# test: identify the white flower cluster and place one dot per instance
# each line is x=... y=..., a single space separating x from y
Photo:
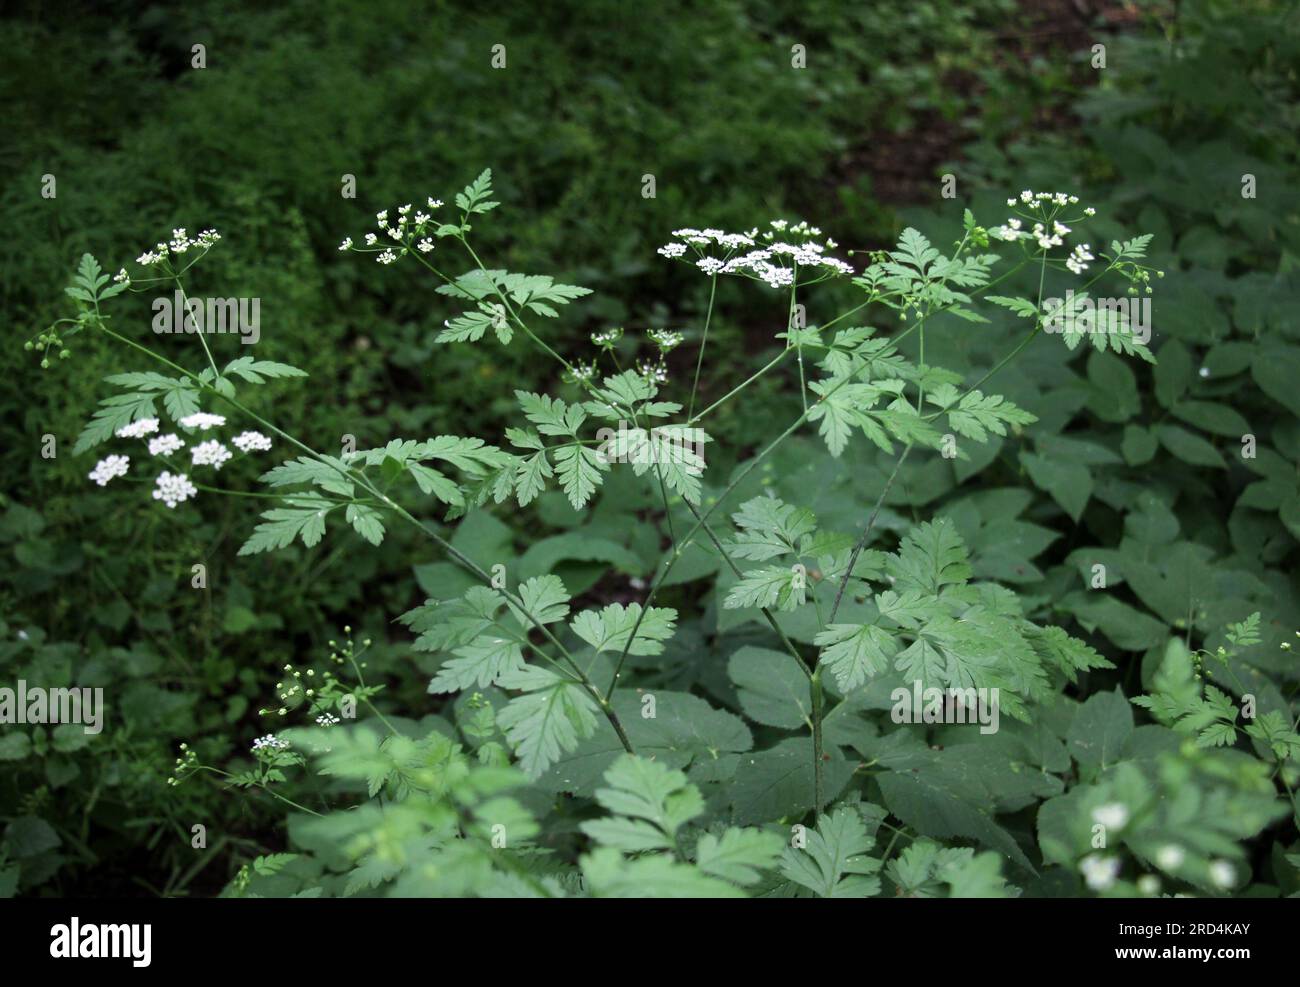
x=211 y=453
x=1078 y=260
x=165 y=445
x=411 y=231
x=666 y=339
x=178 y=244
x=774 y=257
x=1099 y=872
x=1042 y=210
x=250 y=441
x=1113 y=815
x=138 y=429
x=270 y=743
x=327 y=720
x=203 y=421
x=656 y=373
x=176 y=488
x=173 y=489
x=110 y=467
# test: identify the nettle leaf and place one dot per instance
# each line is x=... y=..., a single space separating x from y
x=779 y=587
x=855 y=652
x=302 y=516
x=834 y=864
x=771 y=688
x=548 y=720
x=611 y=628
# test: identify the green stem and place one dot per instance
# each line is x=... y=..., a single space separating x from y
x=699 y=360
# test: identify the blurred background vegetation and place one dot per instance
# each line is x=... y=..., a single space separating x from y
x=999 y=93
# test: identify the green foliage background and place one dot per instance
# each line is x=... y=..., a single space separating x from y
x=1138 y=468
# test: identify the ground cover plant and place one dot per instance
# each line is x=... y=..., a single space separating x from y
x=942 y=549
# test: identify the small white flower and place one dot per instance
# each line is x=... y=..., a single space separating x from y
x=211 y=453
x=709 y=265
x=435 y=203
x=1026 y=196
x=1204 y=371
x=1077 y=262
x=1090 y=211
x=121 y=277
x=1149 y=884
x=203 y=421
x=425 y=245
x=138 y=429
x=248 y=441
x=665 y=339
x=1099 y=872
x=108 y=468
x=672 y=249
x=327 y=720
x=1113 y=815
x=173 y=489
x=1222 y=874
x=656 y=373
x=165 y=445
x=1170 y=857
x=371 y=239
x=386 y=257
x=346 y=244
x=270 y=742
